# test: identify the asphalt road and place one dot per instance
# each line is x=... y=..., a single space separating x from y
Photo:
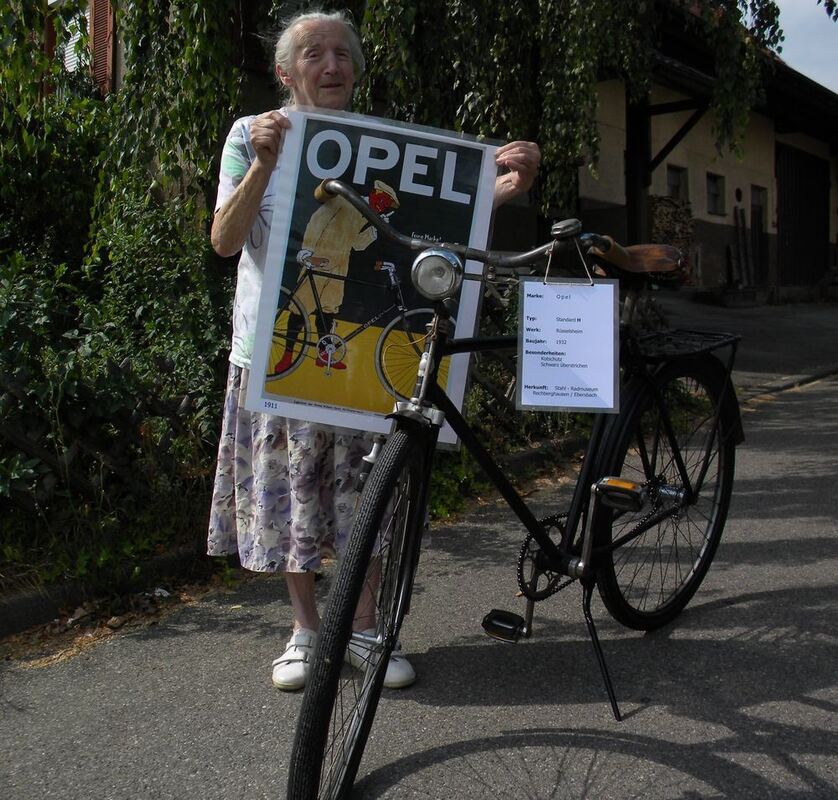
x=739 y=698
x=780 y=344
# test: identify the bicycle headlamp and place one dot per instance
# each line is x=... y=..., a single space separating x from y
x=437 y=273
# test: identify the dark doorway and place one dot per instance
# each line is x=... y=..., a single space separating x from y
x=802 y=216
x=759 y=239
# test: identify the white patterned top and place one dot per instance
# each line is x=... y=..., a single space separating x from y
x=236 y=158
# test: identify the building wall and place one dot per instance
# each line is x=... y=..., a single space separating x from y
x=717 y=244
x=602 y=193
x=698 y=153
x=602 y=189
x=606 y=186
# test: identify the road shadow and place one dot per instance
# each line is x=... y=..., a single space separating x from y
x=759 y=666
x=603 y=765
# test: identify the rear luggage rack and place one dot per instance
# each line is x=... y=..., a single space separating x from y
x=662 y=345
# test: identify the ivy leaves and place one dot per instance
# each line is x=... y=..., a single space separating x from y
x=112 y=307
x=529 y=68
x=178 y=92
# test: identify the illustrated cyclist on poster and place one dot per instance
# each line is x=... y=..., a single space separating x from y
x=334 y=231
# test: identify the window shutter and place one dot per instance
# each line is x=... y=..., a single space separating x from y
x=68 y=50
x=101 y=37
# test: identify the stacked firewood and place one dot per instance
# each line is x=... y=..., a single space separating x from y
x=672 y=223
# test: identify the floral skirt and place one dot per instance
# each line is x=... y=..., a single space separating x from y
x=284 y=495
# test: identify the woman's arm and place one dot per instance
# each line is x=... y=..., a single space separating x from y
x=521 y=160
x=234 y=220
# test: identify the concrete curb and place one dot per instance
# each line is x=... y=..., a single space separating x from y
x=26 y=609
x=753 y=392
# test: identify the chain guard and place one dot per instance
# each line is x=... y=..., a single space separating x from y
x=540 y=584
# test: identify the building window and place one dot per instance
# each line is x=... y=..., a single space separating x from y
x=98 y=18
x=676 y=183
x=715 y=194
x=69 y=51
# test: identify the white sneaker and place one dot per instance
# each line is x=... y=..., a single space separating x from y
x=400 y=673
x=290 y=670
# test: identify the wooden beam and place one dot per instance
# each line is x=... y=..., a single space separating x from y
x=677 y=137
x=675 y=106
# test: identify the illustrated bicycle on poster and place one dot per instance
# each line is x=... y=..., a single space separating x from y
x=309 y=328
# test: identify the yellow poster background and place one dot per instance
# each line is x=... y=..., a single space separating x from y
x=360 y=380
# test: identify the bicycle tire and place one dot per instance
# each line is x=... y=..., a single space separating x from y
x=340 y=701
x=288 y=305
x=647 y=582
x=398 y=350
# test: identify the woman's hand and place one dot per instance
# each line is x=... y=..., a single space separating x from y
x=266 y=133
x=520 y=160
x=233 y=221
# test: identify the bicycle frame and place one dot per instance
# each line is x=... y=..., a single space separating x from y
x=564 y=554
x=574 y=555
x=393 y=286
x=652 y=493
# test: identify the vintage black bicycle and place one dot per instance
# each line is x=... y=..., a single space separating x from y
x=643 y=524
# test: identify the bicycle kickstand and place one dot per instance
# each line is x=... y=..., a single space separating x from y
x=587 y=592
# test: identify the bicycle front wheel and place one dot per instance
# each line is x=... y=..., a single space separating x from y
x=398 y=350
x=647 y=580
x=340 y=700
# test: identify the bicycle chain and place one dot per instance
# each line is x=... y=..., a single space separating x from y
x=529 y=552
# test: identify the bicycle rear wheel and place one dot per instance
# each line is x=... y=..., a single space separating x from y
x=291 y=336
x=398 y=350
x=648 y=580
x=340 y=701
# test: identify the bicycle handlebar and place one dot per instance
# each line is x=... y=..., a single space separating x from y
x=332 y=187
x=603 y=246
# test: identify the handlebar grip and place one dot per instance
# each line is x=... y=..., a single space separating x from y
x=322 y=194
x=613 y=252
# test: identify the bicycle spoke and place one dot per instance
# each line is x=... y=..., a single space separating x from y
x=654 y=569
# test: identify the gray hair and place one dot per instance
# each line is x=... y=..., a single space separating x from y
x=286 y=44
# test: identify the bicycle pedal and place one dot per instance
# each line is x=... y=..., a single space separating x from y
x=621 y=494
x=504 y=625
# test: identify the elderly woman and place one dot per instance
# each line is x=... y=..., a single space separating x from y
x=284 y=489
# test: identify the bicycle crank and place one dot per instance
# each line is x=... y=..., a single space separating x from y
x=331 y=352
x=535 y=579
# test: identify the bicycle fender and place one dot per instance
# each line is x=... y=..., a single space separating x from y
x=729 y=401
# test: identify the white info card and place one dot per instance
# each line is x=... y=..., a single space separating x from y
x=568 y=346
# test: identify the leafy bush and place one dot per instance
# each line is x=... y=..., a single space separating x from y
x=113 y=309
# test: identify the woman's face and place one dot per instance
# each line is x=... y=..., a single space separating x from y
x=322 y=73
